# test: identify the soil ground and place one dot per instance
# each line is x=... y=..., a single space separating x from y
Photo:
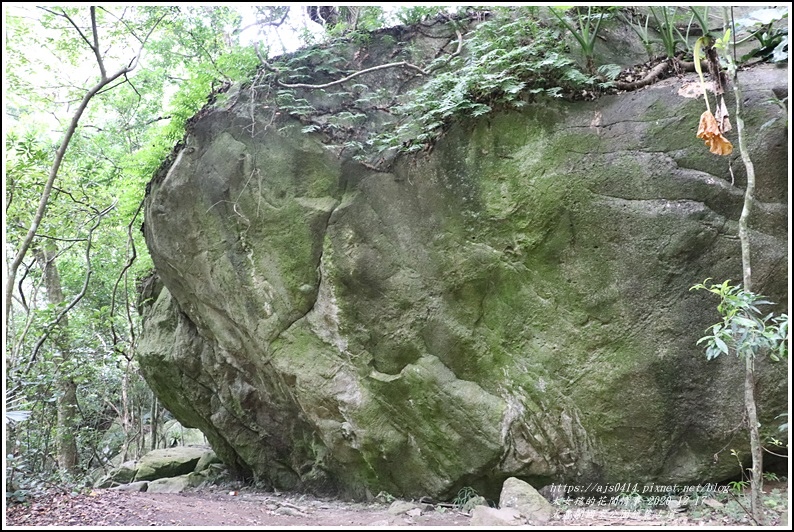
x=248 y=507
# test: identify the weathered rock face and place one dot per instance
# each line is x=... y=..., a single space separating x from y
x=513 y=304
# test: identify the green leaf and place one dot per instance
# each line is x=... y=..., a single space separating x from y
x=780 y=53
x=704 y=338
x=712 y=352
x=721 y=345
x=611 y=71
x=745 y=322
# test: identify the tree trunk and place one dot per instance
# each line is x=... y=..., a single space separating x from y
x=141 y=433
x=66 y=401
x=68 y=457
x=153 y=422
x=125 y=413
x=757 y=479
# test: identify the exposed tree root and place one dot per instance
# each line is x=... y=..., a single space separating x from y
x=658 y=70
x=655 y=72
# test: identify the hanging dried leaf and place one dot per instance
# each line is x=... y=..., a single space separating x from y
x=709 y=131
x=722 y=116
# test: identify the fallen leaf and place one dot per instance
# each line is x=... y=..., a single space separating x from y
x=691 y=90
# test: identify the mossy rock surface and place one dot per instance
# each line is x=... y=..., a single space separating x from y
x=172 y=462
x=513 y=304
x=176 y=484
x=123 y=474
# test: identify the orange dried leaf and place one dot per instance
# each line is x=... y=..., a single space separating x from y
x=709 y=131
x=707 y=127
x=720 y=145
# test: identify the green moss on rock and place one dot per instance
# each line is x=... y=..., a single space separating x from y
x=515 y=303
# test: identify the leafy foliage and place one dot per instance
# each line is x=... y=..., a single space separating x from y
x=609 y=72
x=510 y=60
x=744 y=330
x=773 y=42
x=466 y=499
x=417 y=14
x=584 y=29
x=93 y=214
x=665 y=20
x=737 y=487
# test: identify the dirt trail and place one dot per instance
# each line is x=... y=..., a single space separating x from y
x=248 y=507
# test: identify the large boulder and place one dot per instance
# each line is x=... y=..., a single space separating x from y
x=521 y=496
x=122 y=474
x=143 y=485
x=176 y=484
x=207 y=459
x=514 y=303
x=162 y=463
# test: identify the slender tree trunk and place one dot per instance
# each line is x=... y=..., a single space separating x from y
x=141 y=434
x=66 y=402
x=125 y=413
x=757 y=479
x=153 y=422
x=67 y=427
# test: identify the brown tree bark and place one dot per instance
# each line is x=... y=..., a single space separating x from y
x=154 y=420
x=66 y=401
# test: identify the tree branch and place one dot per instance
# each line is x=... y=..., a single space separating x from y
x=28 y=321
x=95 y=31
x=122 y=274
x=45 y=195
x=406 y=64
x=122 y=21
x=59 y=239
x=271 y=68
x=452 y=55
x=351 y=76
x=75 y=26
x=271 y=23
x=209 y=56
x=48 y=328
